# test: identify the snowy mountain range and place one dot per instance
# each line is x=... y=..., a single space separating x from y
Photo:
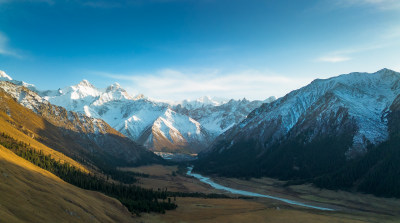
x=203 y=101
x=5 y=77
x=337 y=133
x=72 y=133
x=328 y=120
x=187 y=126
x=158 y=125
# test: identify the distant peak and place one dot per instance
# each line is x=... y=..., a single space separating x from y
x=387 y=74
x=270 y=99
x=139 y=96
x=4 y=76
x=114 y=87
x=386 y=70
x=204 y=99
x=85 y=83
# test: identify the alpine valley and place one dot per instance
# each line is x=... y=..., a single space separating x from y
x=340 y=132
x=327 y=152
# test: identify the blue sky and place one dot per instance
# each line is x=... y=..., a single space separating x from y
x=176 y=49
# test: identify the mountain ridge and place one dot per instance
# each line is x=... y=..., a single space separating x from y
x=139 y=117
x=75 y=134
x=317 y=127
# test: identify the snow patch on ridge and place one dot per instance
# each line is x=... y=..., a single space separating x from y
x=4 y=76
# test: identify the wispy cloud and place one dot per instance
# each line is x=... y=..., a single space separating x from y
x=5 y=49
x=384 y=38
x=344 y=55
x=174 y=85
x=334 y=59
x=391 y=34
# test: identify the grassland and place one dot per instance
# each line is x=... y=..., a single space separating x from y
x=228 y=210
x=25 y=126
x=163 y=177
x=31 y=194
x=350 y=207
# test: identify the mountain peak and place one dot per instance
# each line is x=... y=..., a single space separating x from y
x=113 y=87
x=243 y=100
x=85 y=83
x=388 y=73
x=4 y=76
x=139 y=96
x=384 y=70
x=205 y=99
x=270 y=99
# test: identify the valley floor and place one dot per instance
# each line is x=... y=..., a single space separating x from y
x=351 y=207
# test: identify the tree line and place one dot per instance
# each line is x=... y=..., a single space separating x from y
x=135 y=198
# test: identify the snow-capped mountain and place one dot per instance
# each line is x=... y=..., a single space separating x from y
x=166 y=136
x=36 y=103
x=217 y=118
x=203 y=101
x=5 y=77
x=151 y=123
x=87 y=137
x=190 y=125
x=342 y=115
x=158 y=125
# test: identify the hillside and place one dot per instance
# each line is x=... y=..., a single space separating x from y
x=31 y=194
x=95 y=175
x=83 y=138
x=378 y=171
x=23 y=125
x=310 y=132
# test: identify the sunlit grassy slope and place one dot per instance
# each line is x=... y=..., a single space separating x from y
x=31 y=194
x=23 y=125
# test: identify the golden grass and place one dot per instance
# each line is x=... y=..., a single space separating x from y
x=21 y=119
x=236 y=210
x=350 y=207
x=341 y=199
x=155 y=170
x=31 y=194
x=10 y=130
x=161 y=177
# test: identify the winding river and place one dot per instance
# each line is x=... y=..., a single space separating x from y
x=208 y=181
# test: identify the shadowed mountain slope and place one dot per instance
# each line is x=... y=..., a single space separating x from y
x=311 y=131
